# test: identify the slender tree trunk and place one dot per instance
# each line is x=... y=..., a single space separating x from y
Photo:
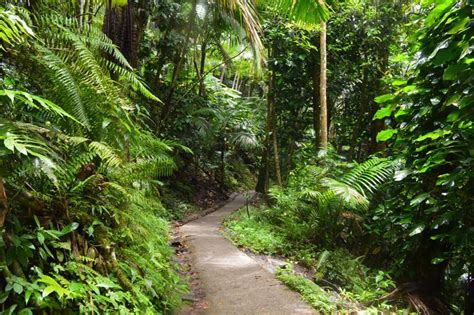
x=3 y=204
x=264 y=172
x=273 y=126
x=202 y=87
x=378 y=125
x=222 y=164
x=222 y=78
x=323 y=111
x=262 y=179
x=359 y=125
x=316 y=100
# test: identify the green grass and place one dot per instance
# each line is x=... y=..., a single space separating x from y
x=312 y=293
x=258 y=231
x=251 y=231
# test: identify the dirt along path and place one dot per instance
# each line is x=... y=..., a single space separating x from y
x=232 y=282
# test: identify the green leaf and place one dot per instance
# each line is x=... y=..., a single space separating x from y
x=399 y=82
x=401 y=174
x=436 y=14
x=384 y=98
x=4 y=296
x=384 y=135
x=9 y=144
x=18 y=288
x=27 y=296
x=437 y=260
x=460 y=25
x=433 y=135
x=419 y=199
x=453 y=116
x=420 y=228
x=452 y=71
x=71 y=227
x=383 y=112
x=47 y=291
x=40 y=237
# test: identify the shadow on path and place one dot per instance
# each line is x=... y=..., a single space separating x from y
x=233 y=282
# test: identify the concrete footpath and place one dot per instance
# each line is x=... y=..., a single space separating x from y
x=233 y=282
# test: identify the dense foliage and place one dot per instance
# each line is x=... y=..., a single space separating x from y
x=82 y=227
x=117 y=117
x=428 y=221
x=418 y=226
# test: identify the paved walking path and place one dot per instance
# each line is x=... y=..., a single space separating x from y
x=233 y=282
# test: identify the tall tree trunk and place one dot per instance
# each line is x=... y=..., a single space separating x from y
x=273 y=126
x=222 y=163
x=125 y=26
x=202 y=87
x=264 y=171
x=378 y=125
x=323 y=111
x=361 y=121
x=316 y=100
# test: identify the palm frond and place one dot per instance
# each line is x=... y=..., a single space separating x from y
x=248 y=18
x=347 y=194
x=368 y=177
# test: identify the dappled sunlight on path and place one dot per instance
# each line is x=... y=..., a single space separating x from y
x=233 y=282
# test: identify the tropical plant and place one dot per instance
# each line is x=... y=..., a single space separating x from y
x=82 y=227
x=431 y=129
x=323 y=205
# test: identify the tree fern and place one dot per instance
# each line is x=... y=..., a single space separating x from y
x=364 y=180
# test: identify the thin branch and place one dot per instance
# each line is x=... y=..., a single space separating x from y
x=212 y=69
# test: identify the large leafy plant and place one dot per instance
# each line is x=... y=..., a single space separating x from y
x=429 y=220
x=82 y=227
x=319 y=206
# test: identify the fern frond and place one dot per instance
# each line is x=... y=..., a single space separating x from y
x=367 y=177
x=106 y=153
x=36 y=102
x=71 y=97
x=347 y=194
x=13 y=29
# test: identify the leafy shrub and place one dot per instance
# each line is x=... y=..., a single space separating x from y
x=82 y=228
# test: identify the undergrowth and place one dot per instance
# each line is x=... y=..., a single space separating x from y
x=340 y=280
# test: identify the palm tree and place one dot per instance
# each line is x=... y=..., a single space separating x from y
x=124 y=23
